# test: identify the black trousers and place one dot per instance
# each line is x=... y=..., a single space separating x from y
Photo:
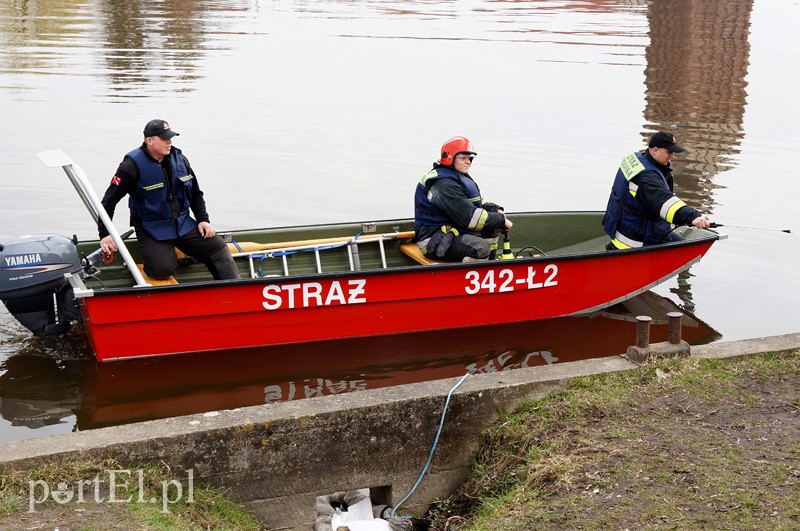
x=160 y=261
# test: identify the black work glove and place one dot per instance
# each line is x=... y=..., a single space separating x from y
x=441 y=241
x=493 y=233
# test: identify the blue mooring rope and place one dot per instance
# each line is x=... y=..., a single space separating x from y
x=433 y=448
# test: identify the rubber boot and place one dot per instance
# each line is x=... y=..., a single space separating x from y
x=222 y=265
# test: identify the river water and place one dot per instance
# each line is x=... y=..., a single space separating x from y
x=302 y=112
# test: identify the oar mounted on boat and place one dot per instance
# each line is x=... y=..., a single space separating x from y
x=56 y=158
x=34 y=269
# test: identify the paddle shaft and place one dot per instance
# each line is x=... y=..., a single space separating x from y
x=253 y=246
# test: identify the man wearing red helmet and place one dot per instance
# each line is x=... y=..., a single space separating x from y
x=452 y=222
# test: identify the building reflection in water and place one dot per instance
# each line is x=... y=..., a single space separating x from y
x=697 y=62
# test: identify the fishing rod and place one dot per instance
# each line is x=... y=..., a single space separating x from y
x=716 y=225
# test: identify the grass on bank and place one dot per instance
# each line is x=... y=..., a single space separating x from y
x=675 y=444
x=209 y=508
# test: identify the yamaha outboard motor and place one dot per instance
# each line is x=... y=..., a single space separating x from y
x=32 y=283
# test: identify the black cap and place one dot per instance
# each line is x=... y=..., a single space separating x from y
x=666 y=141
x=159 y=128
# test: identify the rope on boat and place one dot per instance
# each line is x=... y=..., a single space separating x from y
x=433 y=449
x=531 y=247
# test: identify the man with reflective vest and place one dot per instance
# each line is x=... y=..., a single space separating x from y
x=452 y=222
x=162 y=189
x=642 y=210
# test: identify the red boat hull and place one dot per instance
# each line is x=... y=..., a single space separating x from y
x=147 y=321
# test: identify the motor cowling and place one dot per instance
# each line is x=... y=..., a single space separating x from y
x=32 y=283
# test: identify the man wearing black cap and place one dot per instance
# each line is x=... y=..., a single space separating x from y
x=163 y=189
x=642 y=210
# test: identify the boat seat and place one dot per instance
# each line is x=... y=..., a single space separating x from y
x=412 y=250
x=154 y=282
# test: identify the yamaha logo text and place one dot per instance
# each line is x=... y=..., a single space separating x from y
x=23 y=259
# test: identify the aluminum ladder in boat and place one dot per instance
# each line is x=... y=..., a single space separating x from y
x=351 y=243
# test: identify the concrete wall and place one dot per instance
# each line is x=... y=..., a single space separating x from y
x=277 y=458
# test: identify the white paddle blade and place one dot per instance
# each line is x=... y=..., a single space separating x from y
x=55 y=158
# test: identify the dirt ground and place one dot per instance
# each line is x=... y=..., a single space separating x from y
x=102 y=517
x=703 y=459
x=93 y=516
x=685 y=445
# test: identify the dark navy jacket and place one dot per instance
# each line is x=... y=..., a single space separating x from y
x=161 y=206
x=628 y=221
x=426 y=214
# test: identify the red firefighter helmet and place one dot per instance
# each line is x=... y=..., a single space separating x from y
x=454 y=146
